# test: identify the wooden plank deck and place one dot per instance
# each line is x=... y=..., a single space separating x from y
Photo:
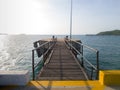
x=62 y=65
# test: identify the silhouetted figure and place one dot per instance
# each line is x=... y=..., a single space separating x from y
x=53 y=37
x=66 y=37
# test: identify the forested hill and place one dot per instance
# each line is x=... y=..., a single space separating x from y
x=114 y=32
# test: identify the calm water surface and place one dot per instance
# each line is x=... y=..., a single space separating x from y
x=15 y=50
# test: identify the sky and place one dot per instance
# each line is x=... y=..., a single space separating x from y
x=53 y=16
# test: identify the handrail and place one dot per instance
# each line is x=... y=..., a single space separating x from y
x=86 y=46
x=44 y=54
x=41 y=45
x=90 y=48
x=83 y=58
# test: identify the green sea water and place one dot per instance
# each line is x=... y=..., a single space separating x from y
x=15 y=50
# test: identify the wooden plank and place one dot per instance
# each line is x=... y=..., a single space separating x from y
x=62 y=65
x=61 y=78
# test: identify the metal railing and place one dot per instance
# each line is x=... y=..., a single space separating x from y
x=78 y=49
x=43 y=51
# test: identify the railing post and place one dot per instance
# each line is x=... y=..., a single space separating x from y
x=97 y=76
x=33 y=65
x=82 y=56
x=43 y=54
x=70 y=44
x=91 y=73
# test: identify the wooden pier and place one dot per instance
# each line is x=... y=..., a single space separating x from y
x=62 y=65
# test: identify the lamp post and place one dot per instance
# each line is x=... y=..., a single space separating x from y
x=70 y=24
x=71 y=21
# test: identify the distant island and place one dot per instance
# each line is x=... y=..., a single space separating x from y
x=90 y=34
x=113 y=32
x=3 y=34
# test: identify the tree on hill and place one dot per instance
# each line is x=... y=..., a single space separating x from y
x=114 y=32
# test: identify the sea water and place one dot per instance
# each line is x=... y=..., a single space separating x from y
x=15 y=50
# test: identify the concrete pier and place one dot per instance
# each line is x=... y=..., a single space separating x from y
x=14 y=78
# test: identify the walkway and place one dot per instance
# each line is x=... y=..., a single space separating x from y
x=62 y=65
